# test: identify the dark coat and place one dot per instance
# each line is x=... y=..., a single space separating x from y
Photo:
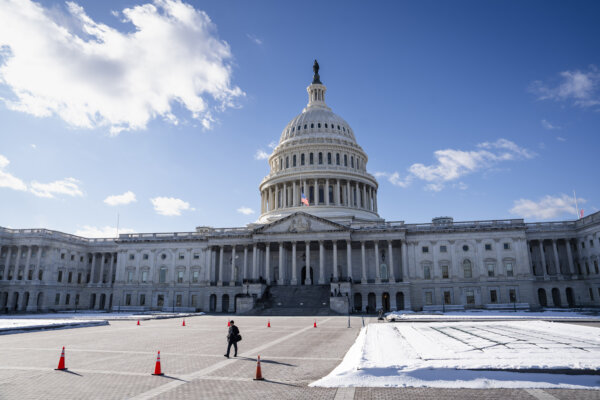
x=233 y=333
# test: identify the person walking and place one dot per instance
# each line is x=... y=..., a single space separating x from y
x=233 y=337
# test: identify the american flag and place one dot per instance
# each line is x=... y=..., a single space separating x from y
x=581 y=213
x=304 y=200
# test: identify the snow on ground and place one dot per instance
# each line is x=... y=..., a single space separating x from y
x=14 y=325
x=493 y=314
x=98 y=315
x=452 y=355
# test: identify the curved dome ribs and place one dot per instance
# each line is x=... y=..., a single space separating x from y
x=318 y=161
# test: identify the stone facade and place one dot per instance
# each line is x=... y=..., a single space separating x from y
x=338 y=240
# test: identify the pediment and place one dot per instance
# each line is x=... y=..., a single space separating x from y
x=301 y=222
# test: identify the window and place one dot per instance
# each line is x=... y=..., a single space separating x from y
x=162 y=277
x=591 y=243
x=312 y=126
x=70 y=277
x=160 y=300
x=72 y=257
x=587 y=268
x=320 y=158
x=128 y=299
x=507 y=246
x=311 y=160
x=60 y=273
x=62 y=256
x=67 y=299
x=132 y=256
x=345 y=160
x=57 y=299
x=163 y=256
x=329 y=158
x=490 y=270
x=509 y=269
x=427 y=272
x=79 y=277
x=20 y=274
x=352 y=161
x=425 y=249
x=144 y=276
x=319 y=125
x=445 y=274
x=337 y=158
x=465 y=248
x=196 y=256
x=583 y=245
x=77 y=299
x=40 y=275
x=447 y=297
x=512 y=295
x=29 y=274
x=181 y=256
x=145 y=256
x=142 y=299
x=129 y=276
x=467 y=269
x=294 y=160
x=301 y=159
x=428 y=298
x=195 y=276
x=443 y=249
x=178 y=300
x=305 y=126
x=179 y=276
x=287 y=161
x=488 y=246
x=591 y=294
x=596 y=266
x=338 y=127
x=470 y=297
x=81 y=259
x=195 y=298
x=493 y=296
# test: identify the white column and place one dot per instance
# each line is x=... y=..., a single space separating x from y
x=284 y=197
x=27 y=261
x=364 y=202
x=305 y=190
x=556 y=261
x=277 y=197
x=375 y=200
x=294 y=280
x=112 y=263
x=295 y=195
x=39 y=261
x=207 y=264
x=391 y=262
x=17 y=263
x=268 y=263
x=101 y=279
x=570 y=257
x=255 y=261
x=363 y=279
x=281 y=268
x=404 y=250
x=377 y=271
x=541 y=242
x=307 y=280
x=221 y=256
x=232 y=276
x=245 y=272
x=326 y=192
x=321 y=263
x=348 y=198
x=337 y=192
x=335 y=262
x=349 y=257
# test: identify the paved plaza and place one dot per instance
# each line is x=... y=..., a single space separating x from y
x=116 y=361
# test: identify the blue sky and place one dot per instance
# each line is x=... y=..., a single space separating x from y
x=156 y=111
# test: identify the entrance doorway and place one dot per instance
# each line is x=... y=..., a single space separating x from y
x=385 y=302
x=102 y=301
x=303 y=276
x=570 y=297
x=357 y=302
x=212 y=303
x=542 y=298
x=556 y=297
x=225 y=303
x=371 y=303
x=399 y=301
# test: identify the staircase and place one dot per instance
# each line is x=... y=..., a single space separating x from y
x=295 y=300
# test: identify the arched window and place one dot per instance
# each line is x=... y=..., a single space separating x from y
x=280 y=163
x=312 y=126
x=320 y=158
x=162 y=277
x=326 y=126
x=345 y=160
x=358 y=163
x=329 y=158
x=311 y=160
x=302 y=159
x=305 y=126
x=467 y=269
x=352 y=161
x=294 y=160
x=319 y=125
x=287 y=162
x=426 y=272
x=337 y=158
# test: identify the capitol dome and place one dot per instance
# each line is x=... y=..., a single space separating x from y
x=318 y=162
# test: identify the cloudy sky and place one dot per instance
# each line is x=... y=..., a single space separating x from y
x=163 y=112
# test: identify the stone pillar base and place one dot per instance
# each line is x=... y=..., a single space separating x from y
x=294 y=282
x=220 y=283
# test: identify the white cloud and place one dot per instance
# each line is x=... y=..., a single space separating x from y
x=170 y=206
x=93 y=75
x=8 y=180
x=272 y=145
x=548 y=125
x=254 y=38
x=245 y=210
x=561 y=139
x=453 y=164
x=101 y=232
x=261 y=155
x=546 y=208
x=67 y=186
x=33 y=146
x=121 y=199
x=577 y=86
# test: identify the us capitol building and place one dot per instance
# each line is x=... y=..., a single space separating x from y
x=337 y=247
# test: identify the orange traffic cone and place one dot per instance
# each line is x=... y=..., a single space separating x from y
x=269 y=324
x=61 y=362
x=315 y=324
x=183 y=323
x=259 y=376
x=157 y=370
x=228 y=323
x=138 y=322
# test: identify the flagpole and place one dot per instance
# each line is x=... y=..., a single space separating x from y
x=576 y=206
x=117 y=225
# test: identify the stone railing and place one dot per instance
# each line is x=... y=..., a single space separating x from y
x=550 y=226
x=468 y=225
x=50 y=234
x=292 y=171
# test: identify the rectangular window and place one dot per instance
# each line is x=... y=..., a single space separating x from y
x=591 y=294
x=20 y=274
x=596 y=266
x=427 y=272
x=425 y=249
x=490 y=270
x=506 y=246
x=196 y=256
x=493 y=296
x=128 y=299
x=443 y=249
x=72 y=257
x=79 y=277
x=131 y=257
x=181 y=256
x=467 y=270
x=81 y=259
x=294 y=161
x=67 y=299
x=57 y=299
x=447 y=297
x=144 y=276
x=311 y=159
x=142 y=299
x=129 y=276
x=428 y=298
x=179 y=276
x=178 y=300
x=60 y=273
x=445 y=274
x=40 y=275
x=587 y=267
x=145 y=257
x=70 y=277
x=337 y=158
x=160 y=300
x=488 y=246
x=509 y=269
x=195 y=276
x=329 y=158
x=29 y=274
x=76 y=299
x=301 y=159
x=62 y=256
x=583 y=245
x=194 y=300
x=512 y=295
x=470 y=296
x=162 y=278
x=345 y=160
x=591 y=243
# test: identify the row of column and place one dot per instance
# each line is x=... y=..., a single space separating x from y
x=556 y=258
x=345 y=193
x=18 y=260
x=262 y=256
x=102 y=267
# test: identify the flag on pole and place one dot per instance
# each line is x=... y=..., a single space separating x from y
x=304 y=200
x=581 y=213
